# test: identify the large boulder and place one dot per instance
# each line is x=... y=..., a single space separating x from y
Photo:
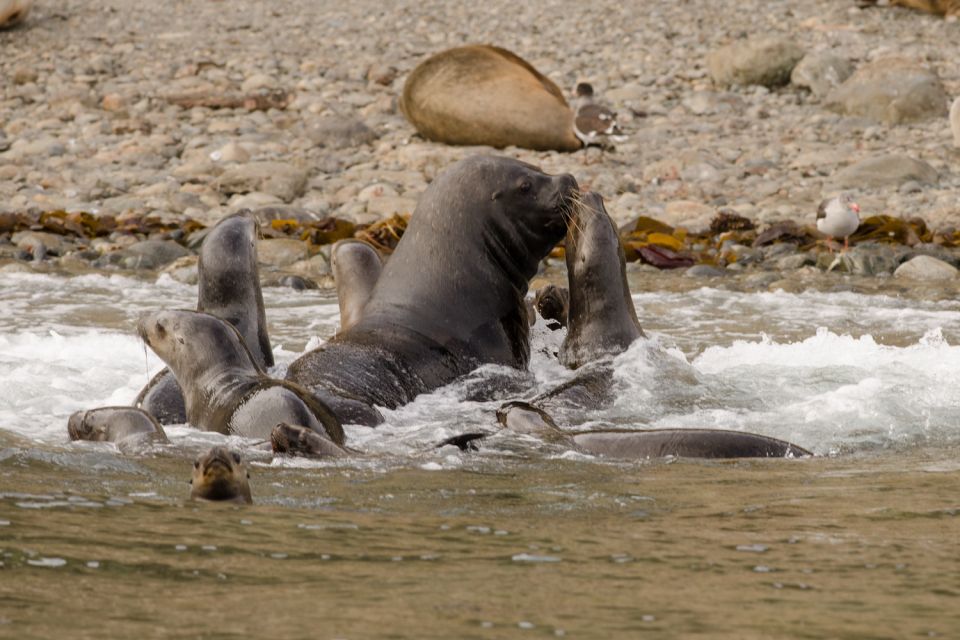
x=766 y=61
x=885 y=171
x=891 y=90
x=284 y=181
x=485 y=95
x=821 y=73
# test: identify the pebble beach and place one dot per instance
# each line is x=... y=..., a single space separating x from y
x=181 y=113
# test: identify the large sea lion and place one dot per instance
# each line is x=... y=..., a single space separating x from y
x=224 y=388
x=356 y=268
x=523 y=417
x=129 y=428
x=485 y=95
x=451 y=297
x=220 y=475
x=601 y=319
x=229 y=288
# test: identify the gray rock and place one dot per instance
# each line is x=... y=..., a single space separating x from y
x=335 y=132
x=821 y=72
x=184 y=270
x=386 y=206
x=148 y=254
x=885 y=171
x=766 y=61
x=275 y=178
x=926 y=268
x=52 y=243
x=891 y=90
x=796 y=261
x=704 y=271
x=954 y=123
x=865 y=260
x=281 y=252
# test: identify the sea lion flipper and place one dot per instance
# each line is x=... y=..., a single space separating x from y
x=297 y=440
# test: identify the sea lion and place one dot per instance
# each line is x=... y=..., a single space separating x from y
x=224 y=388
x=601 y=318
x=13 y=12
x=451 y=297
x=229 y=288
x=356 y=268
x=220 y=475
x=947 y=8
x=523 y=417
x=129 y=428
x=485 y=95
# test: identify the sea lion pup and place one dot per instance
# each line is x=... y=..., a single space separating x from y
x=523 y=417
x=220 y=475
x=224 y=388
x=129 y=428
x=229 y=288
x=485 y=95
x=601 y=318
x=451 y=297
x=356 y=268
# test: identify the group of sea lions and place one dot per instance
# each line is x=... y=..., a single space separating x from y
x=419 y=321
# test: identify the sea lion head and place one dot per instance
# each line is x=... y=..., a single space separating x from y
x=514 y=209
x=601 y=316
x=192 y=343
x=592 y=239
x=220 y=474
x=229 y=281
x=81 y=428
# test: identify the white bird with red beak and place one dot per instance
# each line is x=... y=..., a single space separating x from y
x=838 y=218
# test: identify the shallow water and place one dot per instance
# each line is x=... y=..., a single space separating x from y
x=410 y=540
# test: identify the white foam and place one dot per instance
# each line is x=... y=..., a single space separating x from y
x=825 y=389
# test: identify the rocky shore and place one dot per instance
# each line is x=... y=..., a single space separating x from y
x=127 y=129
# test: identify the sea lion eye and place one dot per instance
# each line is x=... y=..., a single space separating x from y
x=196 y=465
x=525 y=186
x=236 y=457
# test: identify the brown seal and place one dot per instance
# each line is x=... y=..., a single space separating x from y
x=485 y=95
x=229 y=288
x=356 y=268
x=224 y=389
x=220 y=475
x=129 y=428
x=947 y=8
x=451 y=297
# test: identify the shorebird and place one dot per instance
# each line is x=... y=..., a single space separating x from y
x=839 y=217
x=593 y=123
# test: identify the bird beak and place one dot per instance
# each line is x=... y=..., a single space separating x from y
x=855 y=207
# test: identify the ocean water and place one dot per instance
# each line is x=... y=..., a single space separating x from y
x=833 y=372
x=410 y=540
